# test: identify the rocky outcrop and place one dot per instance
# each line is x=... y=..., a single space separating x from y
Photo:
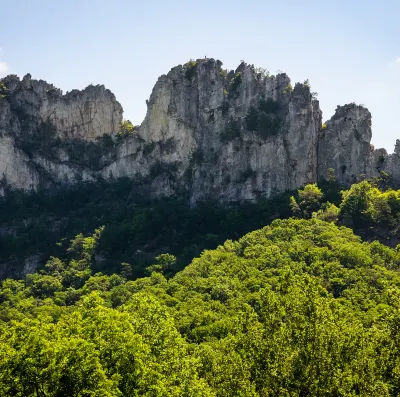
x=229 y=136
x=208 y=133
x=86 y=114
x=344 y=144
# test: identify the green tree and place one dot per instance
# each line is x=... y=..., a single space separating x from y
x=308 y=201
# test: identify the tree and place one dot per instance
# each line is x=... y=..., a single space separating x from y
x=164 y=264
x=308 y=201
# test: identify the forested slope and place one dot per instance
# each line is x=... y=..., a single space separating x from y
x=298 y=308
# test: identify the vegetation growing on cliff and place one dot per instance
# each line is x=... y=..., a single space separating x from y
x=263 y=119
x=235 y=83
x=190 y=69
x=44 y=141
x=3 y=90
x=126 y=129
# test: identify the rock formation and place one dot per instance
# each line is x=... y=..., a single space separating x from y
x=344 y=144
x=208 y=133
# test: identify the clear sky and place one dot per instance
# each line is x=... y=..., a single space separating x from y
x=348 y=49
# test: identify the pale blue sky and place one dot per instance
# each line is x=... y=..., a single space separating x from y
x=349 y=50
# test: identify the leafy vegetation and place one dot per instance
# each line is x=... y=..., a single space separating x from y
x=126 y=129
x=190 y=69
x=371 y=212
x=231 y=131
x=288 y=89
x=223 y=73
x=300 y=307
x=3 y=90
x=235 y=83
x=264 y=119
x=136 y=229
x=45 y=142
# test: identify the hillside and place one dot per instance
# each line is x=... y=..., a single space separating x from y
x=232 y=244
x=300 y=307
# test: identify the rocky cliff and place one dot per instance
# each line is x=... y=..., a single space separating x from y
x=208 y=132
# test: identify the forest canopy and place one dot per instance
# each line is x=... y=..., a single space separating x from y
x=298 y=308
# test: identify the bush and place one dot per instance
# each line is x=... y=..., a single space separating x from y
x=264 y=120
x=126 y=129
x=3 y=90
x=190 y=68
x=231 y=131
x=288 y=89
x=235 y=83
x=268 y=105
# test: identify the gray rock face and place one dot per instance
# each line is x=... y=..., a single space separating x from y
x=231 y=137
x=86 y=114
x=208 y=133
x=344 y=144
x=389 y=163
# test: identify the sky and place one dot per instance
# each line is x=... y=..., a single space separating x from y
x=349 y=50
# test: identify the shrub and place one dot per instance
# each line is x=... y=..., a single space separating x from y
x=288 y=89
x=262 y=71
x=190 y=68
x=126 y=128
x=264 y=120
x=252 y=119
x=231 y=131
x=3 y=90
x=225 y=108
x=268 y=105
x=235 y=82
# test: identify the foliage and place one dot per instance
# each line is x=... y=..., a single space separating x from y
x=264 y=119
x=306 y=83
x=288 y=89
x=300 y=307
x=126 y=129
x=190 y=69
x=371 y=212
x=264 y=73
x=223 y=73
x=136 y=229
x=365 y=206
x=44 y=141
x=3 y=90
x=328 y=213
x=309 y=200
x=164 y=264
x=231 y=131
x=323 y=126
x=235 y=83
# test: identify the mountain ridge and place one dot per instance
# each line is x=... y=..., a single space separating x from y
x=233 y=136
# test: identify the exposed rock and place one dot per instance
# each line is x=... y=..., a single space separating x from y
x=31 y=263
x=196 y=126
x=208 y=133
x=344 y=144
x=86 y=114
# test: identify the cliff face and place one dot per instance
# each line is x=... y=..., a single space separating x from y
x=344 y=144
x=39 y=126
x=208 y=133
x=233 y=137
